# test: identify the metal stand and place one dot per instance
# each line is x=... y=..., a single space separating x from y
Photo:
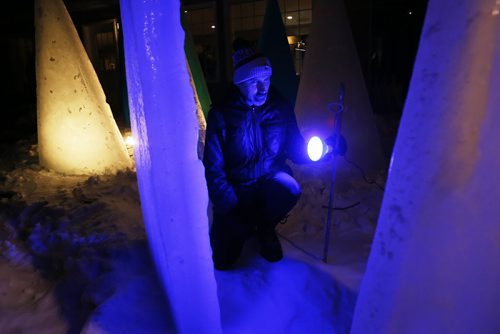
x=339 y=108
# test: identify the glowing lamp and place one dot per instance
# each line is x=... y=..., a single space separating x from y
x=129 y=141
x=316 y=148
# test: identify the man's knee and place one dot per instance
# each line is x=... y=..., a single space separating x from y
x=284 y=183
x=280 y=195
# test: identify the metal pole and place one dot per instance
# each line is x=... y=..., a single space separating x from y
x=336 y=131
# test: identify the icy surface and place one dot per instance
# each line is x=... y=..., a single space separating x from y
x=434 y=264
x=171 y=177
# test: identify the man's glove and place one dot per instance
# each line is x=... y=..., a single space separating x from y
x=337 y=144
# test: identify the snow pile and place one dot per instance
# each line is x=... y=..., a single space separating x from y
x=76 y=258
x=356 y=206
x=65 y=234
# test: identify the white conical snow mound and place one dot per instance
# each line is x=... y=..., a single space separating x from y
x=331 y=59
x=76 y=130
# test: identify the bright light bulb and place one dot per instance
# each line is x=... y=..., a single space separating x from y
x=213 y=27
x=289 y=17
x=129 y=141
x=315 y=148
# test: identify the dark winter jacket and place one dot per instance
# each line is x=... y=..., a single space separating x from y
x=244 y=144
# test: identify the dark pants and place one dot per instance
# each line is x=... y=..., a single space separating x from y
x=261 y=206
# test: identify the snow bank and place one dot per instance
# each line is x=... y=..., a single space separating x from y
x=79 y=249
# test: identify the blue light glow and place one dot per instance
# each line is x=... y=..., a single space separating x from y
x=315 y=148
x=168 y=168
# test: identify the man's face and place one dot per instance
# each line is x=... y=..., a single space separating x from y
x=255 y=90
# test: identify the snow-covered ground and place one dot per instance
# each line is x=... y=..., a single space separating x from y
x=74 y=256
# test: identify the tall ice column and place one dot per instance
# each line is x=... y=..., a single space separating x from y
x=172 y=185
x=433 y=266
